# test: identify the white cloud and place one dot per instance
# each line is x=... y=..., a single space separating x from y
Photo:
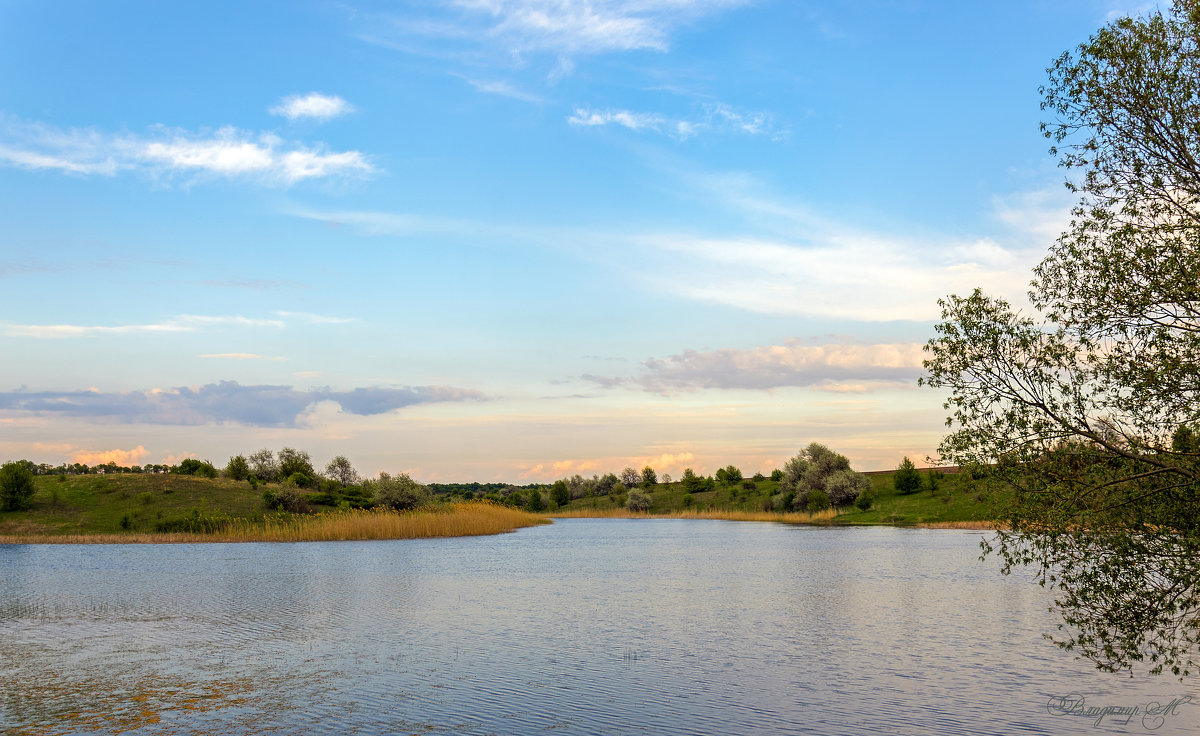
x=626 y=119
x=713 y=118
x=225 y=153
x=312 y=105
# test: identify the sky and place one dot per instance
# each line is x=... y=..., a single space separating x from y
x=509 y=240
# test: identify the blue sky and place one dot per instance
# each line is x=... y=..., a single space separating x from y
x=508 y=239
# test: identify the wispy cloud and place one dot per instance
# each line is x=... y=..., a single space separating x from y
x=180 y=323
x=521 y=28
x=239 y=356
x=714 y=118
x=316 y=319
x=226 y=153
x=839 y=368
x=503 y=89
x=313 y=105
x=226 y=402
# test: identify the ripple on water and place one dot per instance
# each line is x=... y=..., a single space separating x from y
x=584 y=627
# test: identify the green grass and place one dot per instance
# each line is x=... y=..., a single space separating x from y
x=89 y=504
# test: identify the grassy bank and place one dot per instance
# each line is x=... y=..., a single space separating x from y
x=956 y=501
x=130 y=508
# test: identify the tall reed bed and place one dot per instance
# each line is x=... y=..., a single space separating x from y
x=789 y=517
x=451 y=520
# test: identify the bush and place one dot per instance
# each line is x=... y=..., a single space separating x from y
x=638 y=501
x=536 y=502
x=285 y=498
x=776 y=475
x=865 y=499
x=688 y=499
x=818 y=500
x=237 y=468
x=400 y=492
x=192 y=466
x=194 y=523
x=16 y=487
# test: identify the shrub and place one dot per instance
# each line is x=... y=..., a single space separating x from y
x=192 y=466
x=818 y=500
x=237 y=468
x=776 y=475
x=16 y=487
x=399 y=492
x=865 y=499
x=285 y=498
x=688 y=499
x=194 y=523
x=638 y=501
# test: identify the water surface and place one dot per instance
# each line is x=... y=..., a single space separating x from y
x=588 y=626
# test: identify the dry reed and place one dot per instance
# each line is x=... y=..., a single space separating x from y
x=453 y=520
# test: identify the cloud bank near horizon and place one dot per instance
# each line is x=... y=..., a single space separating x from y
x=225 y=402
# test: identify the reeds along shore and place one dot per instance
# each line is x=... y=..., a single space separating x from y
x=453 y=520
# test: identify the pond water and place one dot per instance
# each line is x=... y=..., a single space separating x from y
x=588 y=626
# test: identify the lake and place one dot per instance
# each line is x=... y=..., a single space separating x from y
x=587 y=626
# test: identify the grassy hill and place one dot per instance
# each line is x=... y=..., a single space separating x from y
x=90 y=504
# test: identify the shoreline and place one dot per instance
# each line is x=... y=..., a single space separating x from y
x=468 y=519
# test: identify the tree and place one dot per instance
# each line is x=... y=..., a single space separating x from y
x=817 y=468
x=649 y=477
x=630 y=478
x=295 y=461
x=16 y=487
x=906 y=479
x=1085 y=408
x=535 y=503
x=729 y=475
x=560 y=493
x=341 y=471
x=263 y=465
x=237 y=468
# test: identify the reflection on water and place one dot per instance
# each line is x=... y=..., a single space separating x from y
x=583 y=627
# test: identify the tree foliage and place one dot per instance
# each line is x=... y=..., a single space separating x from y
x=237 y=468
x=906 y=479
x=341 y=471
x=293 y=461
x=649 y=477
x=397 y=492
x=263 y=465
x=1086 y=406
x=16 y=487
x=638 y=501
x=817 y=468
